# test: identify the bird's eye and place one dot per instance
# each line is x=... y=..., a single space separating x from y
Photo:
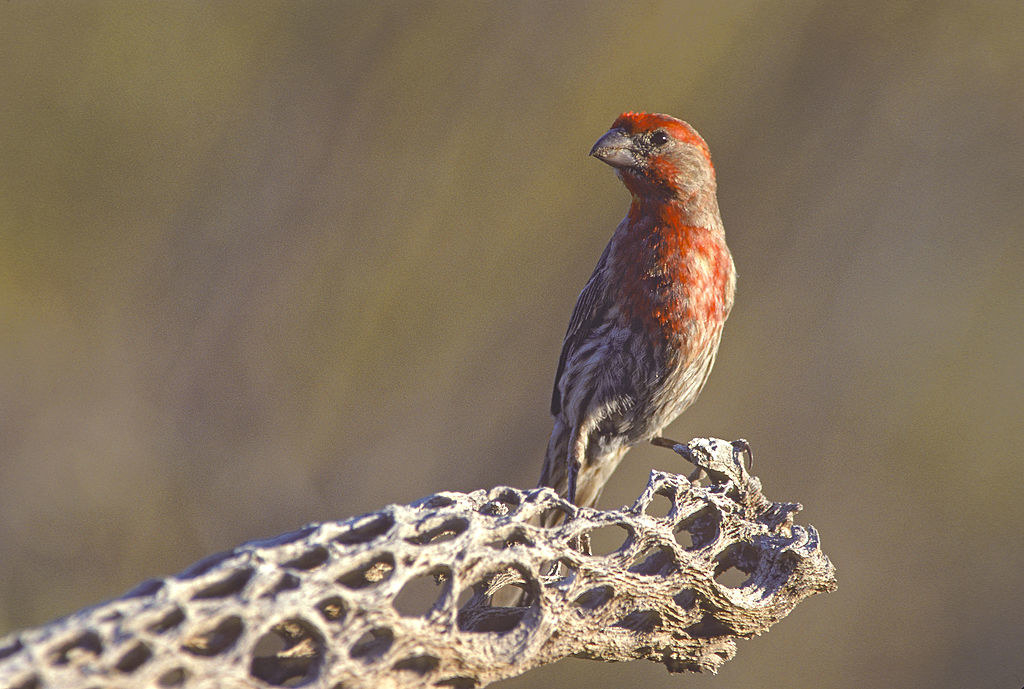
x=659 y=138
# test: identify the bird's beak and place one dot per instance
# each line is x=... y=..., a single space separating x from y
x=615 y=148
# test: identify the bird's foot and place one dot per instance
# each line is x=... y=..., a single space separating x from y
x=660 y=441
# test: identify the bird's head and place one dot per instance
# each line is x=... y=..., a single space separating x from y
x=657 y=155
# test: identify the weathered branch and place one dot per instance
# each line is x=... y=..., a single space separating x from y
x=454 y=590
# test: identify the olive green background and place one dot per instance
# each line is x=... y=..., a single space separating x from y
x=269 y=263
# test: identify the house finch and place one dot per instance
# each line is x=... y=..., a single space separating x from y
x=644 y=334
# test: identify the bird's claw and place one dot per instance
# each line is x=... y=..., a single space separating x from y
x=741 y=448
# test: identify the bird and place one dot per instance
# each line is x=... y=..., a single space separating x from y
x=645 y=331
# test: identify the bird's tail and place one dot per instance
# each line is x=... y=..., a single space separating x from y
x=554 y=473
x=596 y=467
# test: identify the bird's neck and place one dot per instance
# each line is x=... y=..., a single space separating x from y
x=680 y=210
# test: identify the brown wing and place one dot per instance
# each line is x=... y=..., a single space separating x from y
x=589 y=309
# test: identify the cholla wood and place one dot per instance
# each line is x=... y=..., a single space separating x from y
x=409 y=596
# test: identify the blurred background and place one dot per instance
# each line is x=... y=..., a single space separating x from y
x=269 y=263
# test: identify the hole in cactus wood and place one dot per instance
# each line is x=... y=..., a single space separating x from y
x=418 y=665
x=423 y=593
x=215 y=639
x=659 y=507
x=372 y=645
x=288 y=654
x=505 y=504
x=134 y=658
x=607 y=540
x=332 y=609
x=655 y=561
x=594 y=598
x=226 y=585
x=735 y=564
x=439 y=533
x=698 y=530
x=369 y=574
x=496 y=603
x=79 y=648
x=311 y=559
x=365 y=529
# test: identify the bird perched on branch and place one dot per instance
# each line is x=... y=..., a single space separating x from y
x=646 y=327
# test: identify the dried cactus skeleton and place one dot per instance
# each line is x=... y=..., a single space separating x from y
x=454 y=590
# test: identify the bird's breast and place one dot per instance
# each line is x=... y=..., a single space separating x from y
x=676 y=284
